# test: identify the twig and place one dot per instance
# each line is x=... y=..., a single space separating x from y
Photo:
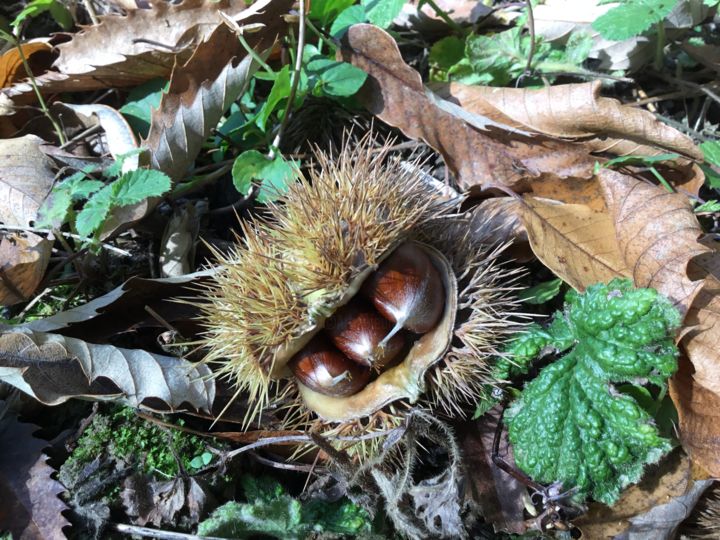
x=69 y=235
x=147 y=532
x=91 y=11
x=295 y=81
x=531 y=27
x=444 y=16
x=280 y=465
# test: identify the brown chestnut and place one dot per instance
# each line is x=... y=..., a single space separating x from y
x=357 y=329
x=324 y=369
x=407 y=289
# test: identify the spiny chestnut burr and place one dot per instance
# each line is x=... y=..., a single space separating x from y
x=407 y=290
x=324 y=369
x=357 y=329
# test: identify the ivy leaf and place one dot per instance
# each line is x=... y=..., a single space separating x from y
x=274 y=175
x=632 y=18
x=571 y=424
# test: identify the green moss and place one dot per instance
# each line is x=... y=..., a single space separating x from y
x=129 y=438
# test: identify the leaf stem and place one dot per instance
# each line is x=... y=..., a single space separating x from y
x=295 y=81
x=253 y=53
x=531 y=28
x=660 y=45
x=444 y=16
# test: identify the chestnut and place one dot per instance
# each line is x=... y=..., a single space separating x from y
x=324 y=369
x=407 y=289
x=357 y=329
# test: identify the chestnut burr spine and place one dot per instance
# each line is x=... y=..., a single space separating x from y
x=357 y=329
x=407 y=290
x=324 y=369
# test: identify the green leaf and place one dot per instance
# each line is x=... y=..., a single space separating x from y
x=33 y=9
x=274 y=175
x=95 y=211
x=542 y=292
x=571 y=424
x=447 y=52
x=140 y=102
x=337 y=79
x=708 y=207
x=352 y=15
x=711 y=152
x=712 y=178
x=640 y=160
x=632 y=18
x=138 y=185
x=54 y=210
x=279 y=92
x=578 y=47
x=382 y=12
x=327 y=10
x=271 y=511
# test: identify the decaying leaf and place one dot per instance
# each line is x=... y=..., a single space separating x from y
x=177 y=249
x=478 y=158
x=575 y=242
x=575 y=111
x=161 y=502
x=11 y=66
x=31 y=507
x=24 y=260
x=53 y=368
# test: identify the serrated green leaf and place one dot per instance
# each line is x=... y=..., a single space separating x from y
x=711 y=152
x=352 y=15
x=138 y=185
x=708 y=207
x=382 y=12
x=542 y=292
x=570 y=424
x=333 y=78
x=578 y=47
x=632 y=18
x=444 y=54
x=54 y=210
x=274 y=175
x=95 y=211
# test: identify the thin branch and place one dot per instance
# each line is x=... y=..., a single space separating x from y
x=69 y=235
x=531 y=27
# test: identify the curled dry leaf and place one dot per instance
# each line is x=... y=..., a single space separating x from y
x=394 y=92
x=574 y=241
x=575 y=111
x=53 y=368
x=26 y=178
x=127 y=50
x=11 y=66
x=31 y=507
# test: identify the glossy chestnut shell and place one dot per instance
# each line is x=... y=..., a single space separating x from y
x=324 y=369
x=357 y=330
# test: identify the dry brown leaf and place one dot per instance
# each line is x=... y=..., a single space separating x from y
x=24 y=260
x=11 y=66
x=30 y=506
x=699 y=416
x=53 y=368
x=575 y=242
x=662 y=482
x=395 y=93
x=127 y=50
x=575 y=111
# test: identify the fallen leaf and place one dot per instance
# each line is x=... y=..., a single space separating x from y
x=54 y=368
x=577 y=243
x=162 y=502
x=499 y=495
x=31 y=508
x=11 y=65
x=127 y=50
x=699 y=418
x=177 y=248
x=575 y=111
x=662 y=482
x=394 y=92
x=24 y=260
x=123 y=308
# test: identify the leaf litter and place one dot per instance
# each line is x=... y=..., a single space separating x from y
x=535 y=155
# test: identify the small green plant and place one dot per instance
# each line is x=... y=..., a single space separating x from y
x=711 y=152
x=100 y=198
x=128 y=438
x=542 y=292
x=632 y=17
x=57 y=11
x=271 y=511
x=577 y=422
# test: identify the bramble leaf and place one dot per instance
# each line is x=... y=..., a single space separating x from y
x=571 y=423
x=632 y=17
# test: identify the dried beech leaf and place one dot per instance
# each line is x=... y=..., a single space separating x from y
x=53 y=368
x=394 y=92
x=574 y=111
x=699 y=417
x=11 y=66
x=24 y=260
x=575 y=242
x=30 y=506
